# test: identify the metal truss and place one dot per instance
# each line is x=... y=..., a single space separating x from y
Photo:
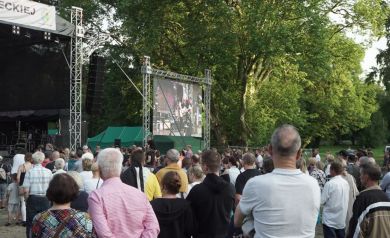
x=207 y=100
x=148 y=71
x=93 y=40
x=180 y=77
x=76 y=63
x=146 y=101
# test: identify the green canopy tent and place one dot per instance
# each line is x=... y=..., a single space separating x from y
x=164 y=143
x=133 y=136
x=127 y=135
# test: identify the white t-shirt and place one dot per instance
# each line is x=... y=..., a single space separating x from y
x=190 y=186
x=60 y=171
x=335 y=197
x=13 y=193
x=92 y=184
x=233 y=174
x=327 y=170
x=318 y=157
x=85 y=175
x=17 y=161
x=259 y=160
x=284 y=203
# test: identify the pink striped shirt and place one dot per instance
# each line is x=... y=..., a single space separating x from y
x=119 y=210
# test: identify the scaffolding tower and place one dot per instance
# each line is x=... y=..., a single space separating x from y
x=76 y=63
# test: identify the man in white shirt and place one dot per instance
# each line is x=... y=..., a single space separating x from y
x=18 y=160
x=335 y=200
x=259 y=159
x=286 y=202
x=316 y=154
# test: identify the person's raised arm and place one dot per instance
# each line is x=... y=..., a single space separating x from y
x=19 y=173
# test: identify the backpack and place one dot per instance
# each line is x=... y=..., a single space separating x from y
x=3 y=174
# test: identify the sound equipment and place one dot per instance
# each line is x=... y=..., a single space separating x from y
x=117 y=143
x=95 y=84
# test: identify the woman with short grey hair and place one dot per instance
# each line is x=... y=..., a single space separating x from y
x=59 y=165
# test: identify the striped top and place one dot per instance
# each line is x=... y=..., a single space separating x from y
x=119 y=210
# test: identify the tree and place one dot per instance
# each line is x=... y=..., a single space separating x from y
x=273 y=62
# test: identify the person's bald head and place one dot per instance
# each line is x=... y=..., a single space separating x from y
x=55 y=155
x=285 y=141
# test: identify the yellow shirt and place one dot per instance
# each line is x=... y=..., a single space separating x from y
x=152 y=187
x=174 y=167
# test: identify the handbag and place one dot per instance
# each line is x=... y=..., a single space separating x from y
x=21 y=191
x=248 y=226
x=62 y=226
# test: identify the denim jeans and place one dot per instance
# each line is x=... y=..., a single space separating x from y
x=330 y=232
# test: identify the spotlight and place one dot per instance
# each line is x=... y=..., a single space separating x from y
x=15 y=30
x=47 y=36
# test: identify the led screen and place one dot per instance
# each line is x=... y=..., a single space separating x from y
x=177 y=108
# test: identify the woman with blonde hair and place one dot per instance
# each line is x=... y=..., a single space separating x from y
x=22 y=170
x=301 y=164
x=195 y=176
x=87 y=166
x=329 y=159
x=95 y=182
x=316 y=173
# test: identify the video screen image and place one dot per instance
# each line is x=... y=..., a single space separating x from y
x=177 y=108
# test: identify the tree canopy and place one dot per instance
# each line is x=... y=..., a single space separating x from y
x=272 y=62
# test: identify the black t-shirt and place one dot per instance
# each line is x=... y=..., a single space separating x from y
x=244 y=177
x=50 y=166
x=81 y=202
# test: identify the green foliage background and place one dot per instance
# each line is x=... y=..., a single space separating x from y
x=273 y=62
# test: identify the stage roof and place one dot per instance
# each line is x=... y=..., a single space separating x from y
x=63 y=27
x=34 y=71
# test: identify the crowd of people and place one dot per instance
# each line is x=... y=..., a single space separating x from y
x=136 y=192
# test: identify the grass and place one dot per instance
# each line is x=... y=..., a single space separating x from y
x=378 y=151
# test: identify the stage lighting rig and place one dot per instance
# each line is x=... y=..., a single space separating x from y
x=16 y=30
x=27 y=34
x=47 y=35
x=50 y=2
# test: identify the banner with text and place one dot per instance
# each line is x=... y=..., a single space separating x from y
x=28 y=13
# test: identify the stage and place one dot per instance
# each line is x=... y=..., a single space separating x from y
x=35 y=80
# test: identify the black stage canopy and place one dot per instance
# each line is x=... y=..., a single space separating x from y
x=34 y=71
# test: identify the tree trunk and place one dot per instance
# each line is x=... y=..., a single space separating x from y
x=216 y=127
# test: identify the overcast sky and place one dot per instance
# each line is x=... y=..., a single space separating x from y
x=370 y=57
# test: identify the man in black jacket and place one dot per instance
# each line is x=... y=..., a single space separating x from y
x=212 y=200
x=369 y=175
